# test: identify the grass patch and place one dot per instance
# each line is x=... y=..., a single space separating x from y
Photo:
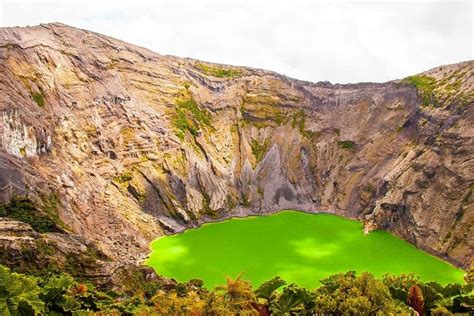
x=186 y=85
x=189 y=105
x=298 y=121
x=50 y=207
x=262 y=99
x=182 y=124
x=279 y=118
x=44 y=248
x=38 y=98
x=310 y=134
x=219 y=72
x=443 y=92
x=259 y=149
x=23 y=210
x=189 y=116
x=346 y=144
x=124 y=177
x=425 y=86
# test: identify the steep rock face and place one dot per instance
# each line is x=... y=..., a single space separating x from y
x=26 y=250
x=137 y=144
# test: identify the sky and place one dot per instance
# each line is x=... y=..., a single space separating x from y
x=339 y=41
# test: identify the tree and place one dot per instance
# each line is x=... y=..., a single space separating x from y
x=237 y=296
x=349 y=293
x=415 y=299
x=18 y=294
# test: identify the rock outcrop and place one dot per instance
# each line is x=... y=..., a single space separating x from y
x=137 y=144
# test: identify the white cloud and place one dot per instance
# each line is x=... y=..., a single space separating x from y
x=339 y=41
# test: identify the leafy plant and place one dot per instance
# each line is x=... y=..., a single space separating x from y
x=293 y=300
x=19 y=294
x=339 y=294
x=268 y=288
x=415 y=299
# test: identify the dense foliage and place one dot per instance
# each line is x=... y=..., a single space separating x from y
x=340 y=294
x=23 y=210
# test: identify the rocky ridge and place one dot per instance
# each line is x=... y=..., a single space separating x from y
x=137 y=145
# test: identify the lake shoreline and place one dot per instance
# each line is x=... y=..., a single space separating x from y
x=356 y=230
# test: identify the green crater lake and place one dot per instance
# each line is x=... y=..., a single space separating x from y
x=300 y=247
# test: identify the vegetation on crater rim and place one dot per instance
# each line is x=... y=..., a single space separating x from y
x=23 y=210
x=346 y=144
x=438 y=93
x=425 y=86
x=38 y=98
x=217 y=71
x=259 y=149
x=343 y=293
x=189 y=116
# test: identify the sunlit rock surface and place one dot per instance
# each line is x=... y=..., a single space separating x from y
x=138 y=144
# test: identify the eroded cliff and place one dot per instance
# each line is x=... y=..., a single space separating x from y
x=135 y=144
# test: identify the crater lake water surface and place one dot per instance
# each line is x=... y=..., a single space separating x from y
x=300 y=247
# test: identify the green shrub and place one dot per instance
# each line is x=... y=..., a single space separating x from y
x=425 y=86
x=189 y=116
x=50 y=207
x=279 y=118
x=259 y=149
x=354 y=295
x=23 y=210
x=19 y=294
x=190 y=106
x=346 y=144
x=311 y=134
x=219 y=72
x=299 y=119
x=124 y=177
x=38 y=98
x=339 y=294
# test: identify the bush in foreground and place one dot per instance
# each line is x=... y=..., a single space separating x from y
x=339 y=294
